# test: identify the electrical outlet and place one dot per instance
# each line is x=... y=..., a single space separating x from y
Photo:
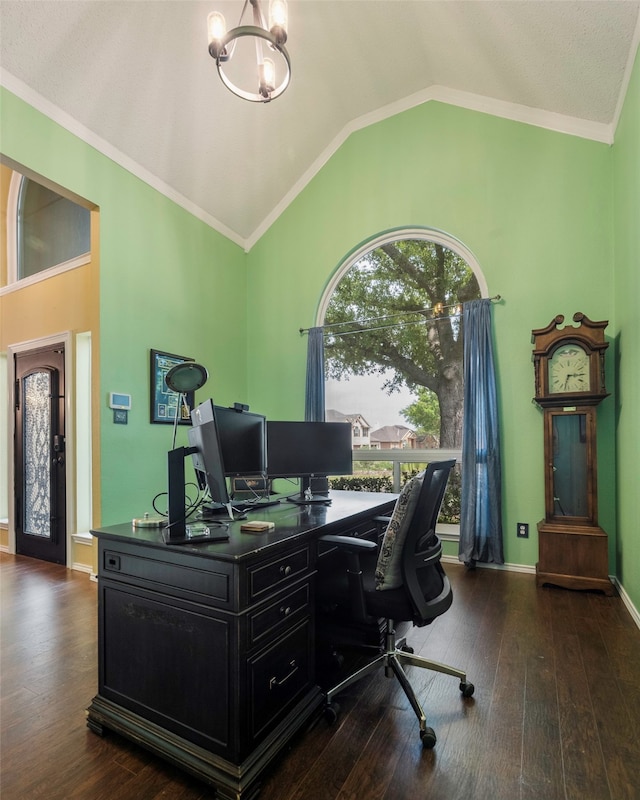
x=523 y=530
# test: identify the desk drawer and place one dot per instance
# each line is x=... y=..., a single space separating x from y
x=268 y=578
x=198 y=579
x=279 y=676
x=278 y=615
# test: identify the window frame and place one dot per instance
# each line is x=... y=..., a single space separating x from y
x=13 y=198
x=395 y=235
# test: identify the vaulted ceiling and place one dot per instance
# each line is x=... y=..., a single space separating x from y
x=135 y=80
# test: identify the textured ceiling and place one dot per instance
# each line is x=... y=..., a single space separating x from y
x=134 y=78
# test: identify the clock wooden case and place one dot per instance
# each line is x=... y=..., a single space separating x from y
x=569 y=384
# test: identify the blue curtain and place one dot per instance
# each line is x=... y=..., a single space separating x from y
x=314 y=394
x=481 y=504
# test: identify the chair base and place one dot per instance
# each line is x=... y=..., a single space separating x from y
x=394 y=655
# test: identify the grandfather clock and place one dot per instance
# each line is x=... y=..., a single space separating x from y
x=569 y=385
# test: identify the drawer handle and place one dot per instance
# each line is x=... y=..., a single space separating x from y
x=285 y=570
x=275 y=682
x=285 y=610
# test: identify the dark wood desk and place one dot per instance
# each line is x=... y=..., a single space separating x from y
x=207 y=652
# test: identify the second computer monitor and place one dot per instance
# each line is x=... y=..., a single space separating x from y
x=308 y=449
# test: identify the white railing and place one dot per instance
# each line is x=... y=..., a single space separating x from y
x=399 y=457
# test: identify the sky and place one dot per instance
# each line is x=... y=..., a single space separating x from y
x=364 y=395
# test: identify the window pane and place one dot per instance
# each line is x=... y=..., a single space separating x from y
x=51 y=229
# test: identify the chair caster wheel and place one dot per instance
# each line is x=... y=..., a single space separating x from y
x=467 y=689
x=407 y=649
x=331 y=713
x=428 y=736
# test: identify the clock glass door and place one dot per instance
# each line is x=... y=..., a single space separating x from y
x=569 y=466
x=571 y=479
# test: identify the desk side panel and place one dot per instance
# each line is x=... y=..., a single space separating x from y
x=168 y=662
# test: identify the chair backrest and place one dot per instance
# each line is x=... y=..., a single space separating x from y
x=422 y=573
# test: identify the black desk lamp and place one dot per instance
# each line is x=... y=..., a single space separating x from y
x=184 y=378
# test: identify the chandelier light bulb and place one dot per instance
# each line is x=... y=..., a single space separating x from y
x=267 y=74
x=278 y=19
x=217 y=28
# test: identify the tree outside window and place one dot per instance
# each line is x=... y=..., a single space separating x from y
x=396 y=313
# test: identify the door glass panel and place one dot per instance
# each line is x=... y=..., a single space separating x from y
x=37 y=457
x=570 y=465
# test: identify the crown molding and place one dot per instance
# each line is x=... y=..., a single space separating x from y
x=633 y=52
x=69 y=123
x=559 y=123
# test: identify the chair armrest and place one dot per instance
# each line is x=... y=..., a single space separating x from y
x=353 y=547
x=350 y=544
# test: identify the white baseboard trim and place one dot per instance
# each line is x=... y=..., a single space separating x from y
x=82 y=567
x=506 y=567
x=635 y=614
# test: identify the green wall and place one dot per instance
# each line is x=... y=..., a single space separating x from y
x=547 y=216
x=167 y=281
x=627 y=299
x=535 y=207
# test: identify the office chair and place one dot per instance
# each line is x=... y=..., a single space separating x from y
x=406 y=583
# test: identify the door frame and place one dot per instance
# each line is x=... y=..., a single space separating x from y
x=65 y=338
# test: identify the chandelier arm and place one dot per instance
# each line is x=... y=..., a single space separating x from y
x=260 y=33
x=259 y=51
x=258 y=16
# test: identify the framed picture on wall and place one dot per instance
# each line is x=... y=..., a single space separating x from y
x=164 y=401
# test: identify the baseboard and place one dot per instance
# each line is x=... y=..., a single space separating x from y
x=635 y=615
x=507 y=567
x=85 y=568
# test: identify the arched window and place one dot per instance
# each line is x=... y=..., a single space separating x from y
x=392 y=316
x=393 y=338
x=46 y=231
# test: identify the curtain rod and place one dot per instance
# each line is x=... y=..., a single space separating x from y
x=495 y=299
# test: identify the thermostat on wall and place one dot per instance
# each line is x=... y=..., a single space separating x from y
x=120 y=401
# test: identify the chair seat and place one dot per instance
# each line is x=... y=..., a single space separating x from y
x=390 y=603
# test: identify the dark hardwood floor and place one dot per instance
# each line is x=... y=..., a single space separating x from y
x=555 y=715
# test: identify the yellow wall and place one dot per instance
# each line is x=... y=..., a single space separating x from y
x=65 y=302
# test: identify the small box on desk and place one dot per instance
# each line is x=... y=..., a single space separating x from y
x=257 y=526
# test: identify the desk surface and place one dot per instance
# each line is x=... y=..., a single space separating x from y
x=291 y=522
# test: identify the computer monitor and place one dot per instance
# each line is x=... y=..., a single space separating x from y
x=207 y=461
x=307 y=450
x=242 y=437
x=204 y=449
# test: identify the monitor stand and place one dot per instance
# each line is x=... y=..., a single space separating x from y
x=178 y=531
x=306 y=496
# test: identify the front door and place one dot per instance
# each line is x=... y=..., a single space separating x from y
x=40 y=474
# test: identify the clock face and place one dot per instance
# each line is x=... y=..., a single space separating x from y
x=569 y=370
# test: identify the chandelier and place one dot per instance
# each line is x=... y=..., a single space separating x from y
x=251 y=68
